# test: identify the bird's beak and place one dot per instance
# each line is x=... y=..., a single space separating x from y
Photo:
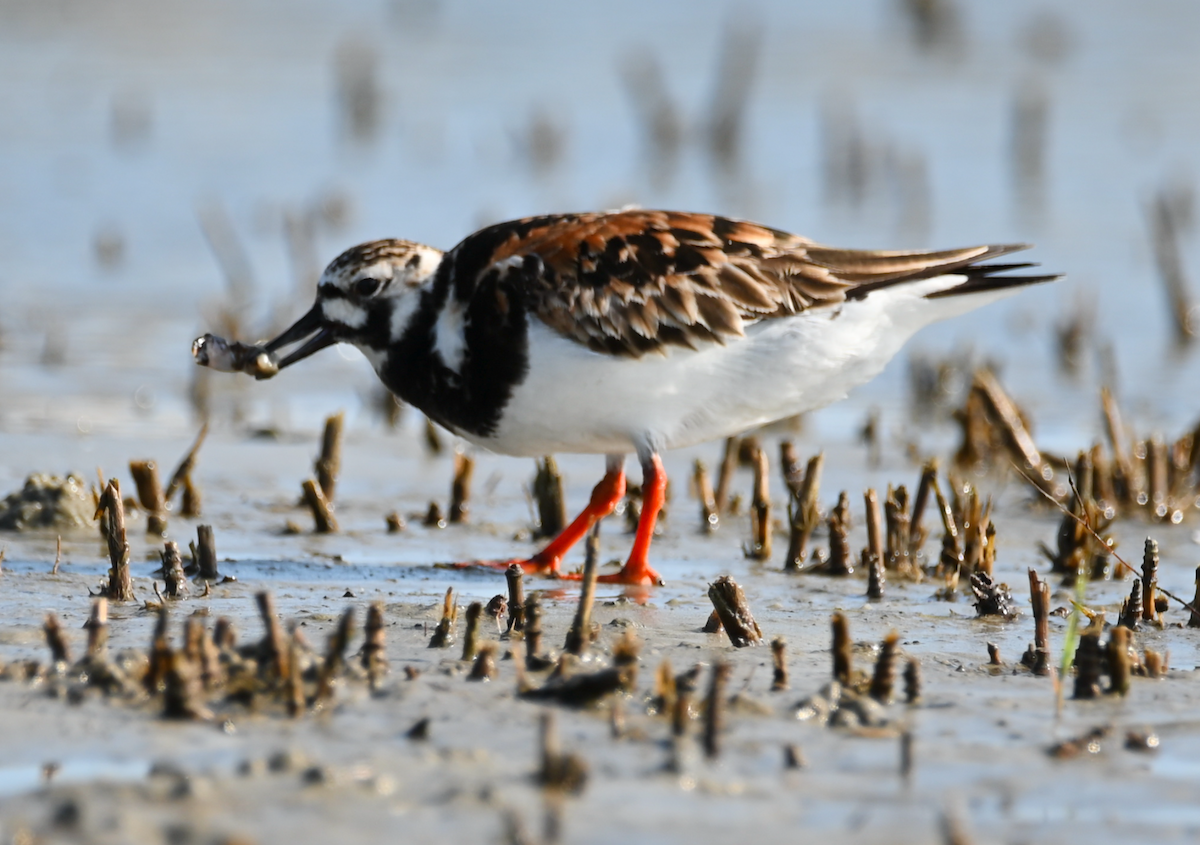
x=311 y=326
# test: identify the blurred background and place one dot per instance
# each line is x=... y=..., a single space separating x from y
x=170 y=167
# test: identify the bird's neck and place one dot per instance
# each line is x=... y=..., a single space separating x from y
x=458 y=362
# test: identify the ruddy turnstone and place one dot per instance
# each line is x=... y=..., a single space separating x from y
x=636 y=331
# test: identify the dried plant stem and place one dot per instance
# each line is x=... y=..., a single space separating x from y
x=97 y=628
x=172 y=568
x=374 y=653
x=760 y=509
x=884 y=678
x=725 y=476
x=471 y=632
x=443 y=634
x=460 y=489
x=182 y=474
x=329 y=463
x=548 y=496
x=805 y=515
x=1039 y=598
x=709 y=518
x=733 y=610
x=206 y=553
x=120 y=583
x=274 y=645
x=516 y=597
x=322 y=511
x=714 y=716
x=56 y=640
x=842 y=649
x=335 y=654
x=1149 y=580
x=779 y=679
x=150 y=495
x=580 y=631
x=1119 y=669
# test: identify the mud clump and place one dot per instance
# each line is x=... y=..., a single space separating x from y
x=48 y=501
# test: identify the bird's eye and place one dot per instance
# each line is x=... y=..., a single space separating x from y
x=366 y=287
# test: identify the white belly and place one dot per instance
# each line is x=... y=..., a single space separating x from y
x=576 y=400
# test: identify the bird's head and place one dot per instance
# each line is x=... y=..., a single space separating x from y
x=365 y=297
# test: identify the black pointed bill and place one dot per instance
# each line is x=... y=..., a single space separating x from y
x=311 y=326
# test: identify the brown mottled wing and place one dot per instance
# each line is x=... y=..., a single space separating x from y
x=632 y=282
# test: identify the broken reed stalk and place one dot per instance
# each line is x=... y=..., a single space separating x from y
x=335 y=654
x=874 y=541
x=56 y=640
x=471 y=632
x=581 y=626
x=1149 y=580
x=1020 y=441
x=884 y=677
x=150 y=495
x=725 y=476
x=912 y=681
x=443 y=634
x=484 y=668
x=1194 y=616
x=206 y=553
x=374 y=655
x=876 y=577
x=533 y=632
x=917 y=532
x=182 y=695
x=898 y=531
x=516 y=597
x=1118 y=444
x=709 y=518
x=714 y=715
x=1039 y=598
x=189 y=505
x=1164 y=229
x=548 y=496
x=804 y=515
x=1119 y=669
x=840 y=563
x=120 y=583
x=57 y=555
x=731 y=607
x=160 y=653
x=294 y=687
x=181 y=477
x=274 y=645
x=172 y=569
x=779 y=680
x=324 y=521
x=97 y=628
x=760 y=509
x=329 y=462
x=842 y=649
x=460 y=488
x=1089 y=663
x=559 y=771
x=790 y=468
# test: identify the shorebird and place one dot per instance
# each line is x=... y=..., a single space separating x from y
x=630 y=331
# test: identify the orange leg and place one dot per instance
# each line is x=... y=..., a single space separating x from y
x=604 y=499
x=637 y=568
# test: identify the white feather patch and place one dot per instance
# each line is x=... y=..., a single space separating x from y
x=344 y=312
x=403 y=309
x=449 y=339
